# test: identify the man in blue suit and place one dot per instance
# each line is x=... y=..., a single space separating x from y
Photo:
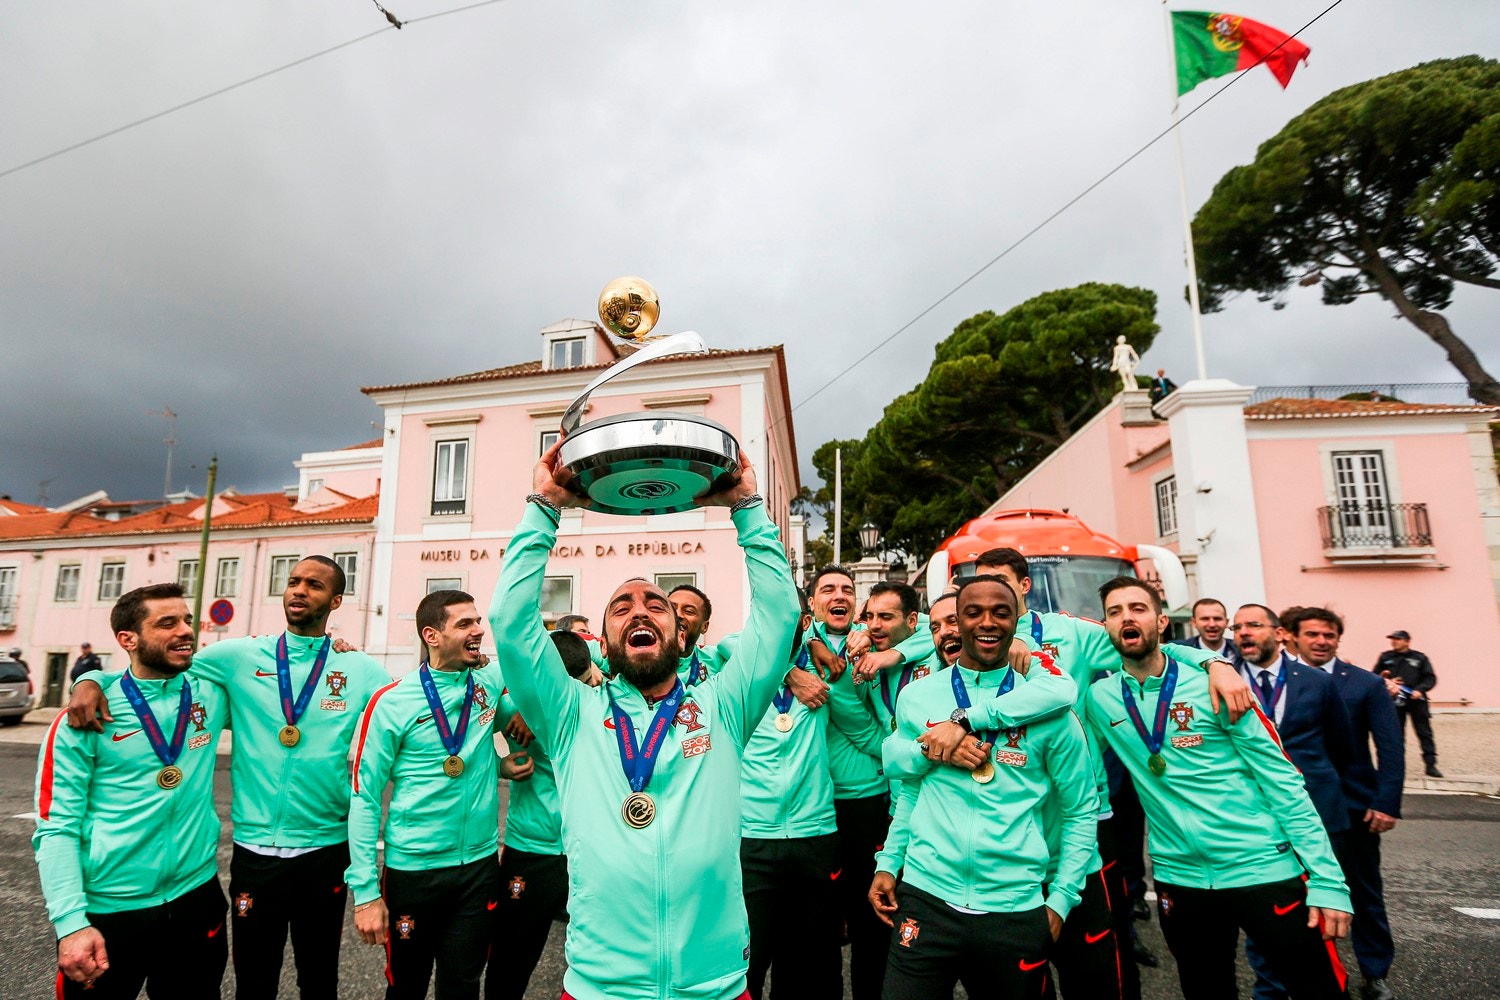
x=1211 y=621
x=1372 y=791
x=1313 y=724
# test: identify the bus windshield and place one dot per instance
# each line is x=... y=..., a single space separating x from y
x=1066 y=583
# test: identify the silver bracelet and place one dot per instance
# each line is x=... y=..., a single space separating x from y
x=749 y=501
x=544 y=503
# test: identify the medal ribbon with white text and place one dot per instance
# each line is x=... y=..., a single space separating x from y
x=1158 y=733
x=168 y=752
x=961 y=695
x=292 y=711
x=452 y=736
x=639 y=759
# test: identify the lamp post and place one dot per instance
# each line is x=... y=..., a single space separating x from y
x=871 y=569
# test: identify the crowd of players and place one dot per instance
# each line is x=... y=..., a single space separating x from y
x=959 y=800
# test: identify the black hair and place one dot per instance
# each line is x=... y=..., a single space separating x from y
x=829 y=570
x=911 y=602
x=985 y=578
x=1207 y=600
x=1005 y=557
x=1275 y=619
x=129 y=612
x=432 y=610
x=1121 y=582
x=708 y=606
x=339 y=580
x=574 y=650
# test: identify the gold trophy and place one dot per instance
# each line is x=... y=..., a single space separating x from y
x=644 y=463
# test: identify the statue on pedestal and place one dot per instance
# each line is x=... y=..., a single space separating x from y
x=1125 y=361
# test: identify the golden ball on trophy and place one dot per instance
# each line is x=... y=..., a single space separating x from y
x=629 y=308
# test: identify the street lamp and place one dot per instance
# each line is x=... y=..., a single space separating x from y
x=869 y=538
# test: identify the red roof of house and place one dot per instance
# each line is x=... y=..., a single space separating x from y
x=255 y=510
x=1290 y=409
x=378 y=442
x=17 y=507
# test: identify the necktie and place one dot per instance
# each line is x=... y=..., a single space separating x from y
x=1265 y=690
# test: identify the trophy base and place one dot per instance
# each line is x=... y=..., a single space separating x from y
x=649 y=463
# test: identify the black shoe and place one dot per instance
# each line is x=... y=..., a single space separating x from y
x=1141 y=910
x=1376 y=989
x=1433 y=772
x=1143 y=956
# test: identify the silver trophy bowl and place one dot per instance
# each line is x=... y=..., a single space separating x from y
x=647 y=463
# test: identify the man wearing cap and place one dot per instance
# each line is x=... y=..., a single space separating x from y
x=87 y=660
x=1409 y=678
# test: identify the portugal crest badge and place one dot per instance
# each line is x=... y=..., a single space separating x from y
x=1182 y=714
x=242 y=904
x=198 y=715
x=908 y=931
x=337 y=681
x=517 y=886
x=405 y=925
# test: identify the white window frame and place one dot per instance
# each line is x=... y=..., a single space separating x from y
x=1165 y=489
x=189 y=577
x=572 y=608
x=278 y=572
x=9 y=575
x=227 y=587
x=111 y=580
x=575 y=352
x=545 y=440
x=313 y=486
x=681 y=576
x=444 y=492
x=436 y=583
x=349 y=563
x=66 y=589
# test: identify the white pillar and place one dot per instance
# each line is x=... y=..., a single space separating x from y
x=1216 y=519
x=867 y=573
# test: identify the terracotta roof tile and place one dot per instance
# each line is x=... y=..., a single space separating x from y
x=264 y=510
x=1285 y=408
x=17 y=507
x=377 y=443
x=535 y=367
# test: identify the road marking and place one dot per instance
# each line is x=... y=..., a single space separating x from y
x=30 y=815
x=1478 y=911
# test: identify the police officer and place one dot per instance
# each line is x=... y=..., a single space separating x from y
x=1409 y=677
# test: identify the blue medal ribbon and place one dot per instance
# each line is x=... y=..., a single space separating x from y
x=639 y=759
x=1280 y=682
x=452 y=736
x=291 y=711
x=885 y=691
x=696 y=672
x=168 y=752
x=961 y=695
x=783 y=698
x=1036 y=629
x=1158 y=733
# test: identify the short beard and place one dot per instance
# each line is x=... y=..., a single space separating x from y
x=650 y=674
x=154 y=658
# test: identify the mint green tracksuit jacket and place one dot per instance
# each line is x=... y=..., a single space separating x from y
x=785 y=782
x=656 y=912
x=108 y=837
x=533 y=817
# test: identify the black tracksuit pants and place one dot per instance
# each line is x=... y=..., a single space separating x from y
x=862 y=827
x=792 y=900
x=996 y=956
x=269 y=897
x=177 y=950
x=443 y=917
x=533 y=894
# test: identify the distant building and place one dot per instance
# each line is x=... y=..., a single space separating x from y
x=430 y=504
x=1385 y=512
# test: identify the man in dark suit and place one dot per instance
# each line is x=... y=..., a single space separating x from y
x=1211 y=621
x=1313 y=724
x=1372 y=789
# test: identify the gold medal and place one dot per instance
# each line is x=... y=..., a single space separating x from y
x=289 y=736
x=169 y=777
x=893 y=725
x=784 y=722
x=984 y=773
x=638 y=811
x=1157 y=763
x=453 y=766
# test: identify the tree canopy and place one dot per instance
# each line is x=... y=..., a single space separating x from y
x=1390 y=187
x=1001 y=394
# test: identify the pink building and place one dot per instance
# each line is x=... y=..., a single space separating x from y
x=1386 y=512
x=428 y=505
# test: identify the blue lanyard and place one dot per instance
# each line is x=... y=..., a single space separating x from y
x=961 y=695
x=1268 y=706
x=696 y=672
x=639 y=759
x=453 y=738
x=167 y=752
x=284 y=679
x=1158 y=734
x=783 y=698
x=885 y=691
x=1036 y=628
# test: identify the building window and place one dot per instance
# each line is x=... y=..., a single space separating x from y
x=313 y=486
x=67 y=583
x=670 y=581
x=444 y=583
x=227 y=582
x=349 y=563
x=281 y=572
x=567 y=353
x=557 y=595
x=548 y=439
x=1166 y=506
x=111 y=581
x=187 y=577
x=7 y=597
x=1364 y=507
x=450 y=478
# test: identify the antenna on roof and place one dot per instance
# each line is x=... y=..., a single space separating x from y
x=41 y=491
x=170 y=441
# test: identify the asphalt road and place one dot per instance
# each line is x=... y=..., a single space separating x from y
x=1444 y=854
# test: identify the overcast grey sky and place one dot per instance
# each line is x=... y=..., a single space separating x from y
x=422 y=203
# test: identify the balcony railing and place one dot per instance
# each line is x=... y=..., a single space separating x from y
x=1375 y=526
x=1455 y=393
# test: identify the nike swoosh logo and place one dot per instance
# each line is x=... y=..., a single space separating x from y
x=930 y=723
x=491 y=904
x=216 y=930
x=1115 y=723
x=117 y=737
x=1095 y=938
x=423 y=718
x=1282 y=911
x=609 y=723
x=835 y=876
x=1031 y=966
x=262 y=673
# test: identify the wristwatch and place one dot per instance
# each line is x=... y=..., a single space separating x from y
x=960 y=717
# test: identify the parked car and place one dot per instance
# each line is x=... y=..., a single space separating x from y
x=16 y=693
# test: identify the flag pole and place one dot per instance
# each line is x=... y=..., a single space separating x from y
x=838 y=506
x=1187 y=219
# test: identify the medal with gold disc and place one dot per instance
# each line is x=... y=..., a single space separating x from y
x=289 y=735
x=782 y=700
x=639 y=760
x=984 y=773
x=170 y=776
x=452 y=736
x=1155 y=762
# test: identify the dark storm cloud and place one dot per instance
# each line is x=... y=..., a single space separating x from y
x=422 y=203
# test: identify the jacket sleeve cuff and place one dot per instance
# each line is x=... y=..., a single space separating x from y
x=72 y=923
x=1060 y=903
x=539 y=519
x=1329 y=898
x=749 y=518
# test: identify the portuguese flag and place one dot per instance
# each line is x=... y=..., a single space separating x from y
x=1210 y=45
